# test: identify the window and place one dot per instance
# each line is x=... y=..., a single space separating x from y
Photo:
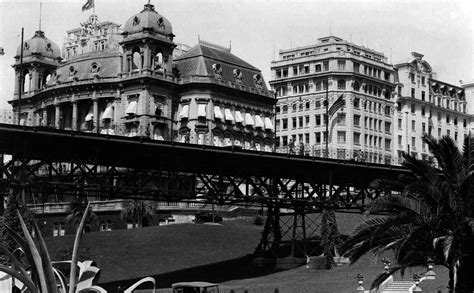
x=326 y=65
x=413 y=93
x=423 y=127
x=341 y=84
x=295 y=70
x=341 y=65
x=356 y=67
x=285 y=123
x=356 y=138
x=285 y=109
x=455 y=136
x=58 y=229
x=447 y=119
x=307 y=121
x=306 y=138
x=423 y=80
x=388 y=142
x=285 y=140
x=423 y=111
x=300 y=121
x=387 y=75
x=413 y=142
x=317 y=120
x=455 y=121
x=464 y=123
x=317 y=104
x=439 y=116
x=341 y=137
x=317 y=136
x=387 y=111
x=412 y=77
x=285 y=72
x=399 y=123
x=294 y=107
x=422 y=95
x=413 y=125
x=294 y=122
x=318 y=67
x=356 y=86
x=439 y=132
x=341 y=119
x=357 y=120
x=399 y=140
x=106 y=225
x=413 y=108
x=388 y=125
x=356 y=103
x=307 y=105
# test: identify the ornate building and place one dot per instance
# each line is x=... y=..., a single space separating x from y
x=136 y=81
x=305 y=76
x=130 y=81
x=427 y=105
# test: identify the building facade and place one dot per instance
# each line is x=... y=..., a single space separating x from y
x=303 y=78
x=387 y=107
x=427 y=105
x=134 y=80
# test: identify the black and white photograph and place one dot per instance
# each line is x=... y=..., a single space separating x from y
x=224 y=146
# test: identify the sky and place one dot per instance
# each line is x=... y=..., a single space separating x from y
x=258 y=29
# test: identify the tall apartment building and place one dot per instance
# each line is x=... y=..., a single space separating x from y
x=304 y=77
x=427 y=105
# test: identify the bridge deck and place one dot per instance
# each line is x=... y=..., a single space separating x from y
x=60 y=145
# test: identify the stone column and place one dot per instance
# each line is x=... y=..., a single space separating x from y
x=125 y=65
x=147 y=60
x=74 y=115
x=45 y=116
x=57 y=115
x=95 y=111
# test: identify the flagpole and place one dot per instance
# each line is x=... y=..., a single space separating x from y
x=21 y=78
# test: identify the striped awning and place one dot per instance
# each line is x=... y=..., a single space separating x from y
x=89 y=117
x=108 y=113
x=218 y=113
x=268 y=123
x=184 y=113
x=249 y=120
x=258 y=121
x=228 y=115
x=238 y=117
x=201 y=110
x=131 y=108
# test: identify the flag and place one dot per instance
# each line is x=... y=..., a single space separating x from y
x=89 y=4
x=339 y=103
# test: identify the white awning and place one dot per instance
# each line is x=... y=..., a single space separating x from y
x=238 y=117
x=89 y=117
x=248 y=120
x=108 y=113
x=268 y=123
x=184 y=114
x=228 y=115
x=218 y=113
x=131 y=108
x=258 y=121
x=201 y=110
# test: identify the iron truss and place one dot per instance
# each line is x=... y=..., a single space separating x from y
x=43 y=163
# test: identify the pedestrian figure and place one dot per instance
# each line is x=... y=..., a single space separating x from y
x=252 y=146
x=301 y=149
x=186 y=138
x=291 y=147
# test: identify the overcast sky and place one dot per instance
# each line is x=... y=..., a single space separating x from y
x=258 y=29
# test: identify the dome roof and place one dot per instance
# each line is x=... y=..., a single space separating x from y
x=148 y=19
x=39 y=44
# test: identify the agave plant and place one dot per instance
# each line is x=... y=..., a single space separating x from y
x=37 y=272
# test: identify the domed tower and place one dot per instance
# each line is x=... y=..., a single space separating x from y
x=41 y=57
x=148 y=43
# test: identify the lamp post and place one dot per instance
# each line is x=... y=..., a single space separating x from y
x=360 y=281
x=275 y=122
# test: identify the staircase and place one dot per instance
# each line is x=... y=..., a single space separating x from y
x=399 y=287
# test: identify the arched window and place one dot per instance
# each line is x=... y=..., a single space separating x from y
x=26 y=82
x=356 y=86
x=341 y=84
x=136 y=59
x=158 y=61
x=295 y=89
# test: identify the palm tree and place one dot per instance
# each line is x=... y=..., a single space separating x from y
x=138 y=210
x=77 y=208
x=430 y=215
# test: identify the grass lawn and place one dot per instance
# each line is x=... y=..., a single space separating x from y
x=216 y=253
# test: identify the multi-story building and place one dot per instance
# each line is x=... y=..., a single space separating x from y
x=427 y=105
x=135 y=81
x=304 y=77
